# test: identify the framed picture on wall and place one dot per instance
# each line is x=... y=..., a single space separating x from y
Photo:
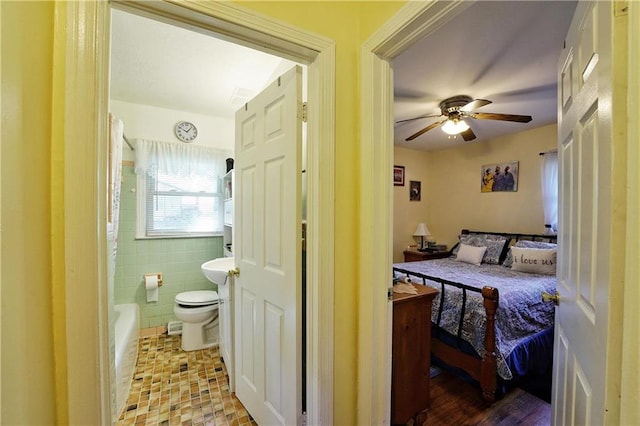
x=398 y=175
x=499 y=177
x=414 y=190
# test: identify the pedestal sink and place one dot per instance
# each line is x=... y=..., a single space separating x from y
x=216 y=270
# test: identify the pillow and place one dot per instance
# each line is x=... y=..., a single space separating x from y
x=470 y=254
x=534 y=260
x=528 y=244
x=495 y=244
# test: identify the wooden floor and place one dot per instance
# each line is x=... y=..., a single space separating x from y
x=454 y=402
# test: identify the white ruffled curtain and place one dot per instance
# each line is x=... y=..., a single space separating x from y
x=550 y=191
x=178 y=159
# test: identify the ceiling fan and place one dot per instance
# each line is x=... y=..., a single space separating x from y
x=455 y=110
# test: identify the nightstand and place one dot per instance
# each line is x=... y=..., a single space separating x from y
x=416 y=256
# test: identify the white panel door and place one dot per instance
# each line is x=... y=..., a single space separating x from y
x=585 y=145
x=267 y=249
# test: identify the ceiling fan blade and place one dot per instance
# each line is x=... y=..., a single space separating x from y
x=468 y=135
x=425 y=130
x=475 y=104
x=419 y=117
x=504 y=117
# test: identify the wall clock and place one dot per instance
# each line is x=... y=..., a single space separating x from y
x=186 y=132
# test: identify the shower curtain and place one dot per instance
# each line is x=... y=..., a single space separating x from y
x=116 y=135
x=116 y=132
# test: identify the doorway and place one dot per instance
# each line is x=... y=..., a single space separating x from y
x=86 y=74
x=163 y=74
x=383 y=50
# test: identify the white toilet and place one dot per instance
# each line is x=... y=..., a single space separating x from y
x=198 y=311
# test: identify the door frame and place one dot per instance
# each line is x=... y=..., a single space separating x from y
x=414 y=21
x=81 y=97
x=629 y=383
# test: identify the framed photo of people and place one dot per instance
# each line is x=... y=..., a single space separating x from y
x=499 y=177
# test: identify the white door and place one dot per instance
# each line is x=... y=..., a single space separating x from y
x=585 y=157
x=267 y=226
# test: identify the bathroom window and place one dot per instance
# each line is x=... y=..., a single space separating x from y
x=182 y=205
x=179 y=190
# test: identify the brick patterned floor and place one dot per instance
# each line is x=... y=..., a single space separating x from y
x=174 y=387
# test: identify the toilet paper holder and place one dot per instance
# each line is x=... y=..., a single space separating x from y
x=156 y=274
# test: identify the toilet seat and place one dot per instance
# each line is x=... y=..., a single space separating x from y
x=197 y=298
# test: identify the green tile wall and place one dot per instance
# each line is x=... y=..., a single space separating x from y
x=178 y=259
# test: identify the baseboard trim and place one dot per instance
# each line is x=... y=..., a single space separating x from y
x=152 y=331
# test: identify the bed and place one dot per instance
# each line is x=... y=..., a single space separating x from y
x=489 y=322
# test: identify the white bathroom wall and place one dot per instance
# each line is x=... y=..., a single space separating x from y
x=150 y=122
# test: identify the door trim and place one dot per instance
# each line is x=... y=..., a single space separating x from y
x=629 y=384
x=414 y=21
x=79 y=81
x=81 y=105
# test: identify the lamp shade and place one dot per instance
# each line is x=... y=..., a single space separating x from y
x=421 y=230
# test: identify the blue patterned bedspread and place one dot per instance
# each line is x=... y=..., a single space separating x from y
x=520 y=313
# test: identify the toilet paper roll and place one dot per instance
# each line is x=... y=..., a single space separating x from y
x=151 y=284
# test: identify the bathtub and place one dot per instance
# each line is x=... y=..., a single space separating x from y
x=126 y=322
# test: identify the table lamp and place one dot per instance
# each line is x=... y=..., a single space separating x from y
x=421 y=231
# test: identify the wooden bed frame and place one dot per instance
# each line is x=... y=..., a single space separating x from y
x=483 y=370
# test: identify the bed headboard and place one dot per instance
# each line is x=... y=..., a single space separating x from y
x=512 y=238
x=517 y=237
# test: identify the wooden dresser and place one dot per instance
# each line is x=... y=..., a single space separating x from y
x=411 y=354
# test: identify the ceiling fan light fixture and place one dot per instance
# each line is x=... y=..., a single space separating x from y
x=454 y=127
x=456 y=108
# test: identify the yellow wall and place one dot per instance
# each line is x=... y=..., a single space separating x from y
x=349 y=24
x=451 y=189
x=28 y=386
x=407 y=214
x=29 y=173
x=32 y=174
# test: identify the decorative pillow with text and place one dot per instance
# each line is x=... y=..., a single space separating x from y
x=528 y=244
x=537 y=261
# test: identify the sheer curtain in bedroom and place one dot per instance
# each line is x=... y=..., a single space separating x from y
x=549 y=175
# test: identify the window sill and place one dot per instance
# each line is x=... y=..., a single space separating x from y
x=179 y=236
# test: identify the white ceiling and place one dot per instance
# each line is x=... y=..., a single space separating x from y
x=162 y=65
x=503 y=51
